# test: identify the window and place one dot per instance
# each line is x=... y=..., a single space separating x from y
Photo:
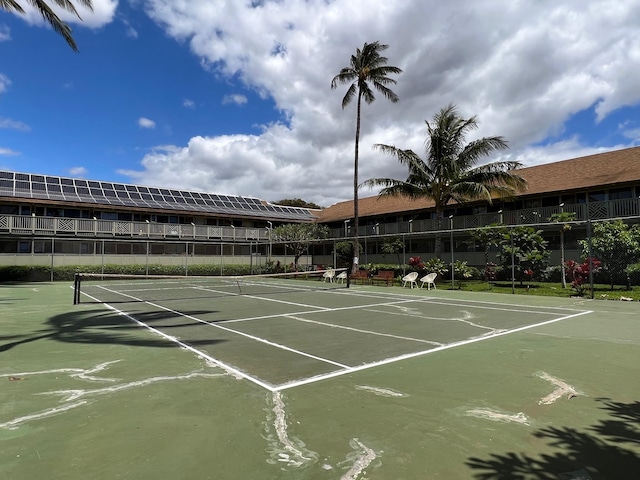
x=24 y=246
x=620 y=193
x=597 y=196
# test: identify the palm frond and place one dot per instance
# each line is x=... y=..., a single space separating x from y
x=11 y=5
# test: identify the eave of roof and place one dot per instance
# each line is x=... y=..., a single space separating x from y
x=613 y=168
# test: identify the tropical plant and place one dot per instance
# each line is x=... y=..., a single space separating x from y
x=344 y=252
x=580 y=273
x=563 y=218
x=435 y=265
x=296 y=237
x=450 y=171
x=392 y=246
x=417 y=263
x=488 y=237
x=524 y=250
x=617 y=246
x=366 y=66
x=49 y=15
x=462 y=271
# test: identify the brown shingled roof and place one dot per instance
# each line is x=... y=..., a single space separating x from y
x=618 y=167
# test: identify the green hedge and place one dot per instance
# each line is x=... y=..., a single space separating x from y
x=41 y=273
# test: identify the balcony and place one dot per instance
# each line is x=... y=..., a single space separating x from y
x=89 y=228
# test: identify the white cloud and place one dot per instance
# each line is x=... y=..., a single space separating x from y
x=14 y=125
x=102 y=13
x=4 y=82
x=234 y=99
x=523 y=68
x=188 y=103
x=78 y=172
x=146 y=123
x=8 y=152
x=5 y=33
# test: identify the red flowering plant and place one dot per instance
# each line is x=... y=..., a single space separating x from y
x=417 y=263
x=528 y=274
x=579 y=273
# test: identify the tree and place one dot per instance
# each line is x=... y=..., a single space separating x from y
x=367 y=65
x=449 y=171
x=296 y=237
x=488 y=237
x=563 y=218
x=392 y=246
x=296 y=202
x=616 y=246
x=528 y=250
x=49 y=15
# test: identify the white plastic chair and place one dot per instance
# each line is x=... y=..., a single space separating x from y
x=429 y=280
x=342 y=276
x=328 y=276
x=410 y=279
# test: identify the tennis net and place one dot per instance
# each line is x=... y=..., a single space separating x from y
x=116 y=288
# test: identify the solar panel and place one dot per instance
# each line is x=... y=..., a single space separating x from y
x=22 y=185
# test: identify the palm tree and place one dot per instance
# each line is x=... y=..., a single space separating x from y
x=49 y=15
x=449 y=172
x=367 y=65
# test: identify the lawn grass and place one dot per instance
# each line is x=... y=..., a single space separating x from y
x=601 y=292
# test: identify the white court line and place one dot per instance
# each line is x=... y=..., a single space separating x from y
x=445 y=301
x=230 y=330
x=386 y=361
x=359 y=330
x=346 y=369
x=275 y=300
x=325 y=310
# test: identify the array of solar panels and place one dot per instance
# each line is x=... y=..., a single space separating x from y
x=25 y=185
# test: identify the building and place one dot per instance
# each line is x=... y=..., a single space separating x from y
x=76 y=221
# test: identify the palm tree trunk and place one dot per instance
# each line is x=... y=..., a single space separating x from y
x=438 y=242
x=356 y=245
x=562 y=272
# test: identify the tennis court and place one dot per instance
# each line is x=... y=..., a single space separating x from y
x=304 y=379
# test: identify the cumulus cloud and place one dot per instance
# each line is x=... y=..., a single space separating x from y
x=8 y=152
x=146 y=123
x=188 y=103
x=14 y=125
x=523 y=68
x=78 y=172
x=102 y=14
x=5 y=33
x=4 y=82
x=234 y=99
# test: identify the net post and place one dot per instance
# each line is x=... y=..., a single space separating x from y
x=76 y=289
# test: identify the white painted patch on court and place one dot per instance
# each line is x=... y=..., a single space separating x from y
x=283 y=449
x=563 y=389
x=383 y=392
x=70 y=395
x=16 y=422
x=74 y=398
x=83 y=373
x=497 y=416
x=362 y=457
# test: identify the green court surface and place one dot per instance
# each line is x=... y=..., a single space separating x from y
x=349 y=384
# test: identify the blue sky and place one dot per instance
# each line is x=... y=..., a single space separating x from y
x=234 y=97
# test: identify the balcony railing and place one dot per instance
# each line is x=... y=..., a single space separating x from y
x=583 y=211
x=84 y=227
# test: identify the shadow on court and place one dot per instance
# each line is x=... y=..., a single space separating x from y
x=604 y=451
x=100 y=327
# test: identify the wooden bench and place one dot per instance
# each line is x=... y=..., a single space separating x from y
x=362 y=275
x=386 y=276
